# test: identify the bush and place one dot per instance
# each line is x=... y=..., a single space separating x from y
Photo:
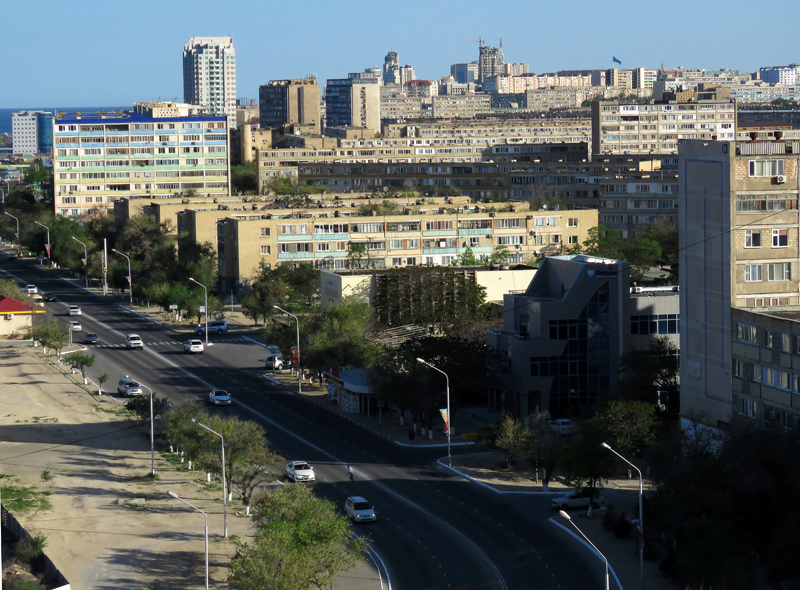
x=32 y=552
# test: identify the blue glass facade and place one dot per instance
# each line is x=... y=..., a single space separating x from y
x=44 y=132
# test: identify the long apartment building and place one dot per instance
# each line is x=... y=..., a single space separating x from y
x=102 y=157
x=421 y=235
x=656 y=128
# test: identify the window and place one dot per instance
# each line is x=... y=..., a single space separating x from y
x=264 y=232
x=323 y=247
x=761 y=168
x=747 y=407
x=767 y=339
x=776 y=378
x=264 y=250
x=738 y=367
x=747 y=333
x=753 y=272
x=551 y=221
x=780 y=238
x=779 y=271
x=509 y=240
x=538 y=221
x=756 y=374
x=572 y=222
x=752 y=238
x=786 y=342
x=572 y=240
x=509 y=223
x=555 y=238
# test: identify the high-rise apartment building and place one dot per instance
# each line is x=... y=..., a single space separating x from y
x=209 y=74
x=32 y=132
x=490 y=62
x=102 y=157
x=739 y=248
x=780 y=74
x=391 y=64
x=353 y=102
x=289 y=102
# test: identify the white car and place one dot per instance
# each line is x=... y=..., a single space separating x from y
x=75 y=326
x=300 y=471
x=74 y=310
x=359 y=510
x=191 y=346
x=219 y=397
x=31 y=289
x=275 y=361
x=576 y=499
x=562 y=426
x=133 y=341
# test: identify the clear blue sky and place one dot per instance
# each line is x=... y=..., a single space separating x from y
x=108 y=53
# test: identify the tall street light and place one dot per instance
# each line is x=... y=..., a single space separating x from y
x=152 y=446
x=565 y=515
x=47 y=246
x=641 y=513
x=17 y=220
x=174 y=495
x=130 y=276
x=449 y=417
x=85 y=261
x=205 y=291
x=224 y=481
x=299 y=375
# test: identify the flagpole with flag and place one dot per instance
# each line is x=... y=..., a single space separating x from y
x=614 y=60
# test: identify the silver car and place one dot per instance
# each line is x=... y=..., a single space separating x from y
x=219 y=397
x=128 y=387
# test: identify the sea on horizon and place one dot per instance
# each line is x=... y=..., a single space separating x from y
x=5 y=114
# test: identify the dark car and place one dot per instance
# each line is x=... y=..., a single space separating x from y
x=48 y=297
x=91 y=338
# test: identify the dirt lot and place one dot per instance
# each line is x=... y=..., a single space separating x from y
x=110 y=526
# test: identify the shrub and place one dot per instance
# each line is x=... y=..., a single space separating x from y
x=31 y=552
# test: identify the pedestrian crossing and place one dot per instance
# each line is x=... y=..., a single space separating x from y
x=168 y=343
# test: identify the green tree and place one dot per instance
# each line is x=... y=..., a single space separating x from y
x=586 y=464
x=80 y=362
x=301 y=541
x=513 y=439
x=244 y=179
x=139 y=406
x=52 y=334
x=468 y=258
x=632 y=424
x=652 y=375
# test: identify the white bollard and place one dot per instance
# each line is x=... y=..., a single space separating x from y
x=170 y=449
x=190 y=464
x=208 y=477
x=247 y=510
x=181 y=456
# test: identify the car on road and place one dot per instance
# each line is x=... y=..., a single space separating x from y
x=133 y=341
x=219 y=397
x=562 y=426
x=128 y=387
x=577 y=499
x=359 y=510
x=74 y=310
x=300 y=471
x=38 y=299
x=191 y=346
x=91 y=338
x=48 y=297
x=275 y=361
x=12 y=256
x=31 y=289
x=75 y=326
x=216 y=327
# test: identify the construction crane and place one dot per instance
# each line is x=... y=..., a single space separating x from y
x=479 y=41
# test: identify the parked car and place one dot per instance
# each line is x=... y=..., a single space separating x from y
x=219 y=397
x=216 y=327
x=577 y=499
x=91 y=338
x=31 y=289
x=48 y=297
x=191 y=346
x=75 y=326
x=562 y=426
x=300 y=471
x=133 y=341
x=275 y=361
x=359 y=510
x=128 y=387
x=74 y=310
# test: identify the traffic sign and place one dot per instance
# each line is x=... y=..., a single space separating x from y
x=173 y=306
x=202 y=309
x=472 y=435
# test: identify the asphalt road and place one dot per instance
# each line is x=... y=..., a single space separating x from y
x=435 y=530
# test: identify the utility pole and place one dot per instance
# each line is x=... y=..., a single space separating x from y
x=105 y=266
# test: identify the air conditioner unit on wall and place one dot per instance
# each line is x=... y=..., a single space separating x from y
x=780 y=179
x=9 y=316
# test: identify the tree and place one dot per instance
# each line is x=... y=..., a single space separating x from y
x=52 y=334
x=652 y=375
x=300 y=541
x=80 y=361
x=586 y=464
x=139 y=406
x=513 y=439
x=244 y=179
x=547 y=445
x=632 y=424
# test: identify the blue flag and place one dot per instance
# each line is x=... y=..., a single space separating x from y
x=616 y=61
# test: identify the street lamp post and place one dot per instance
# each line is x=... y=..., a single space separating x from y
x=205 y=292
x=224 y=481
x=85 y=261
x=130 y=276
x=299 y=375
x=641 y=513
x=152 y=445
x=19 y=250
x=47 y=246
x=565 y=515
x=205 y=516
x=449 y=417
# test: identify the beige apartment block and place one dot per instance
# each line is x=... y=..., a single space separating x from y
x=739 y=248
x=546 y=99
x=460 y=107
x=323 y=239
x=165 y=210
x=657 y=127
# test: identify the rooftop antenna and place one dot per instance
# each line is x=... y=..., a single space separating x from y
x=501 y=42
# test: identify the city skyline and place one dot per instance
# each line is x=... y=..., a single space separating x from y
x=121 y=55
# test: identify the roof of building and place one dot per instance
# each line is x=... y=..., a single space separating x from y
x=14 y=307
x=125 y=117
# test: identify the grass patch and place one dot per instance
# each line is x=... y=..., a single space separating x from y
x=21 y=499
x=111 y=410
x=44 y=420
x=146 y=478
